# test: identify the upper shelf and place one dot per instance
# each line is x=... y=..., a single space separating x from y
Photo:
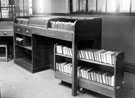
x=64 y=27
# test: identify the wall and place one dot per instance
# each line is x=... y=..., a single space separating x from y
x=59 y=6
x=36 y=6
x=51 y=6
x=118 y=33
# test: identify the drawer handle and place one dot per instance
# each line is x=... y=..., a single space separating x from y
x=27 y=31
x=118 y=87
x=5 y=33
x=123 y=82
x=18 y=29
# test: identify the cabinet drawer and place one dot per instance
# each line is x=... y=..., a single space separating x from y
x=18 y=29
x=27 y=31
x=6 y=32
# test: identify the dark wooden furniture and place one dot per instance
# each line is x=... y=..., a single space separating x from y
x=86 y=34
x=6 y=37
x=110 y=91
x=28 y=52
x=114 y=91
x=35 y=50
x=3 y=52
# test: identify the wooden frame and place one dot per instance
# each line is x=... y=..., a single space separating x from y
x=96 y=12
x=5 y=58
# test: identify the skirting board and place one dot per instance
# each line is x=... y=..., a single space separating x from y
x=129 y=67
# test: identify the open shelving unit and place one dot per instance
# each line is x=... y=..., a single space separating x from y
x=26 y=51
x=86 y=34
x=111 y=88
x=23 y=46
x=105 y=89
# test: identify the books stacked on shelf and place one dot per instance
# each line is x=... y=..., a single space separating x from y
x=63 y=50
x=64 y=67
x=19 y=40
x=39 y=21
x=96 y=75
x=62 y=25
x=87 y=72
x=23 y=21
x=102 y=56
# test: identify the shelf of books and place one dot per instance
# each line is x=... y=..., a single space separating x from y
x=101 y=57
x=97 y=69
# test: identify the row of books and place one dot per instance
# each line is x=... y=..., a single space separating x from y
x=102 y=56
x=43 y=22
x=64 y=67
x=62 y=25
x=63 y=50
x=90 y=73
x=93 y=74
x=23 y=21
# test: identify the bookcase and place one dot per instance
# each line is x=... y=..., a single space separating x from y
x=25 y=51
x=105 y=76
x=56 y=41
x=23 y=46
x=86 y=34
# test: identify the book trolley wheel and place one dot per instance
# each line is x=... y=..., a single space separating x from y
x=62 y=81
x=81 y=90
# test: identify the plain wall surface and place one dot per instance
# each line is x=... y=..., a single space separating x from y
x=59 y=6
x=36 y=6
x=118 y=33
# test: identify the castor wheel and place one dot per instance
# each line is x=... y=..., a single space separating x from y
x=62 y=82
x=82 y=90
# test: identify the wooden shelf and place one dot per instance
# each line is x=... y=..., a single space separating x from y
x=63 y=76
x=24 y=34
x=90 y=61
x=88 y=82
x=26 y=61
x=98 y=87
x=58 y=54
x=26 y=47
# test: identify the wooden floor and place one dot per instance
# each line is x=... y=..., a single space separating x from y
x=15 y=82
